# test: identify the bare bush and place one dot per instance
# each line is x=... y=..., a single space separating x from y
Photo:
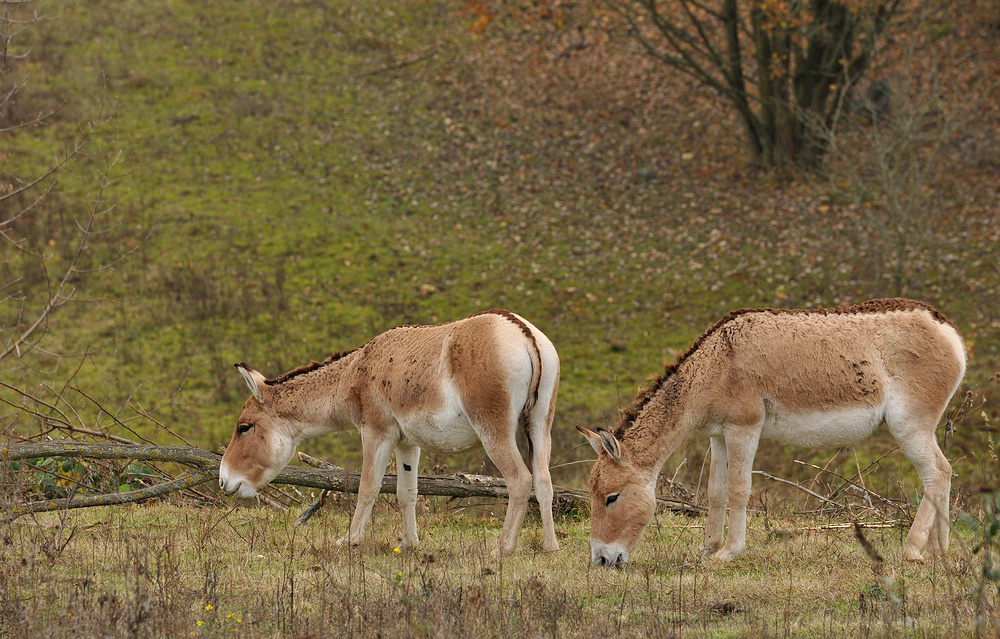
x=888 y=153
x=57 y=246
x=53 y=246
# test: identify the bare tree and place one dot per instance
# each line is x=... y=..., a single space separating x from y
x=36 y=279
x=783 y=65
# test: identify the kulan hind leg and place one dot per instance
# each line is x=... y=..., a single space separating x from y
x=541 y=437
x=941 y=528
x=931 y=523
x=503 y=452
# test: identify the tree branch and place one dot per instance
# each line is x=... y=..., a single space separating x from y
x=177 y=454
x=329 y=477
x=114 y=499
x=799 y=486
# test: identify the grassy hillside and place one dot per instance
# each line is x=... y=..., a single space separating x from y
x=296 y=178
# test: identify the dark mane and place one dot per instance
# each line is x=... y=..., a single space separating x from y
x=629 y=413
x=308 y=368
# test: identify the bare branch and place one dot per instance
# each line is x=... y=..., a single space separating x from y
x=145 y=415
x=779 y=64
x=101 y=408
x=37 y=400
x=880 y=498
x=407 y=62
x=684 y=46
x=177 y=454
x=799 y=486
x=114 y=499
x=59 y=297
x=58 y=424
x=24 y=211
x=73 y=153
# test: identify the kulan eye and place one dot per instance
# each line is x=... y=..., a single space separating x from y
x=610 y=499
x=243 y=428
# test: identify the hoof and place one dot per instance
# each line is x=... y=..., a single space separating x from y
x=346 y=540
x=407 y=545
x=913 y=557
x=725 y=556
x=500 y=553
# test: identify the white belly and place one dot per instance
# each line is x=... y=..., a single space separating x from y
x=440 y=433
x=839 y=427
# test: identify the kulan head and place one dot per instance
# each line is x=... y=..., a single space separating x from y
x=622 y=500
x=262 y=443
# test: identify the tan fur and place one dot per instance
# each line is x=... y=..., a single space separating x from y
x=478 y=373
x=444 y=388
x=781 y=375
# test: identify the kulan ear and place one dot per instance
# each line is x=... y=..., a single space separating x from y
x=603 y=441
x=610 y=445
x=593 y=438
x=255 y=381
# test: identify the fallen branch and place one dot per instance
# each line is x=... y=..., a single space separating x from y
x=894 y=523
x=459 y=485
x=177 y=454
x=114 y=499
x=327 y=477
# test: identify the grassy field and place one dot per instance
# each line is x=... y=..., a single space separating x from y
x=177 y=571
x=291 y=179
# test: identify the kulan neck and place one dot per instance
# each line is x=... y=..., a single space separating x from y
x=318 y=399
x=661 y=425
